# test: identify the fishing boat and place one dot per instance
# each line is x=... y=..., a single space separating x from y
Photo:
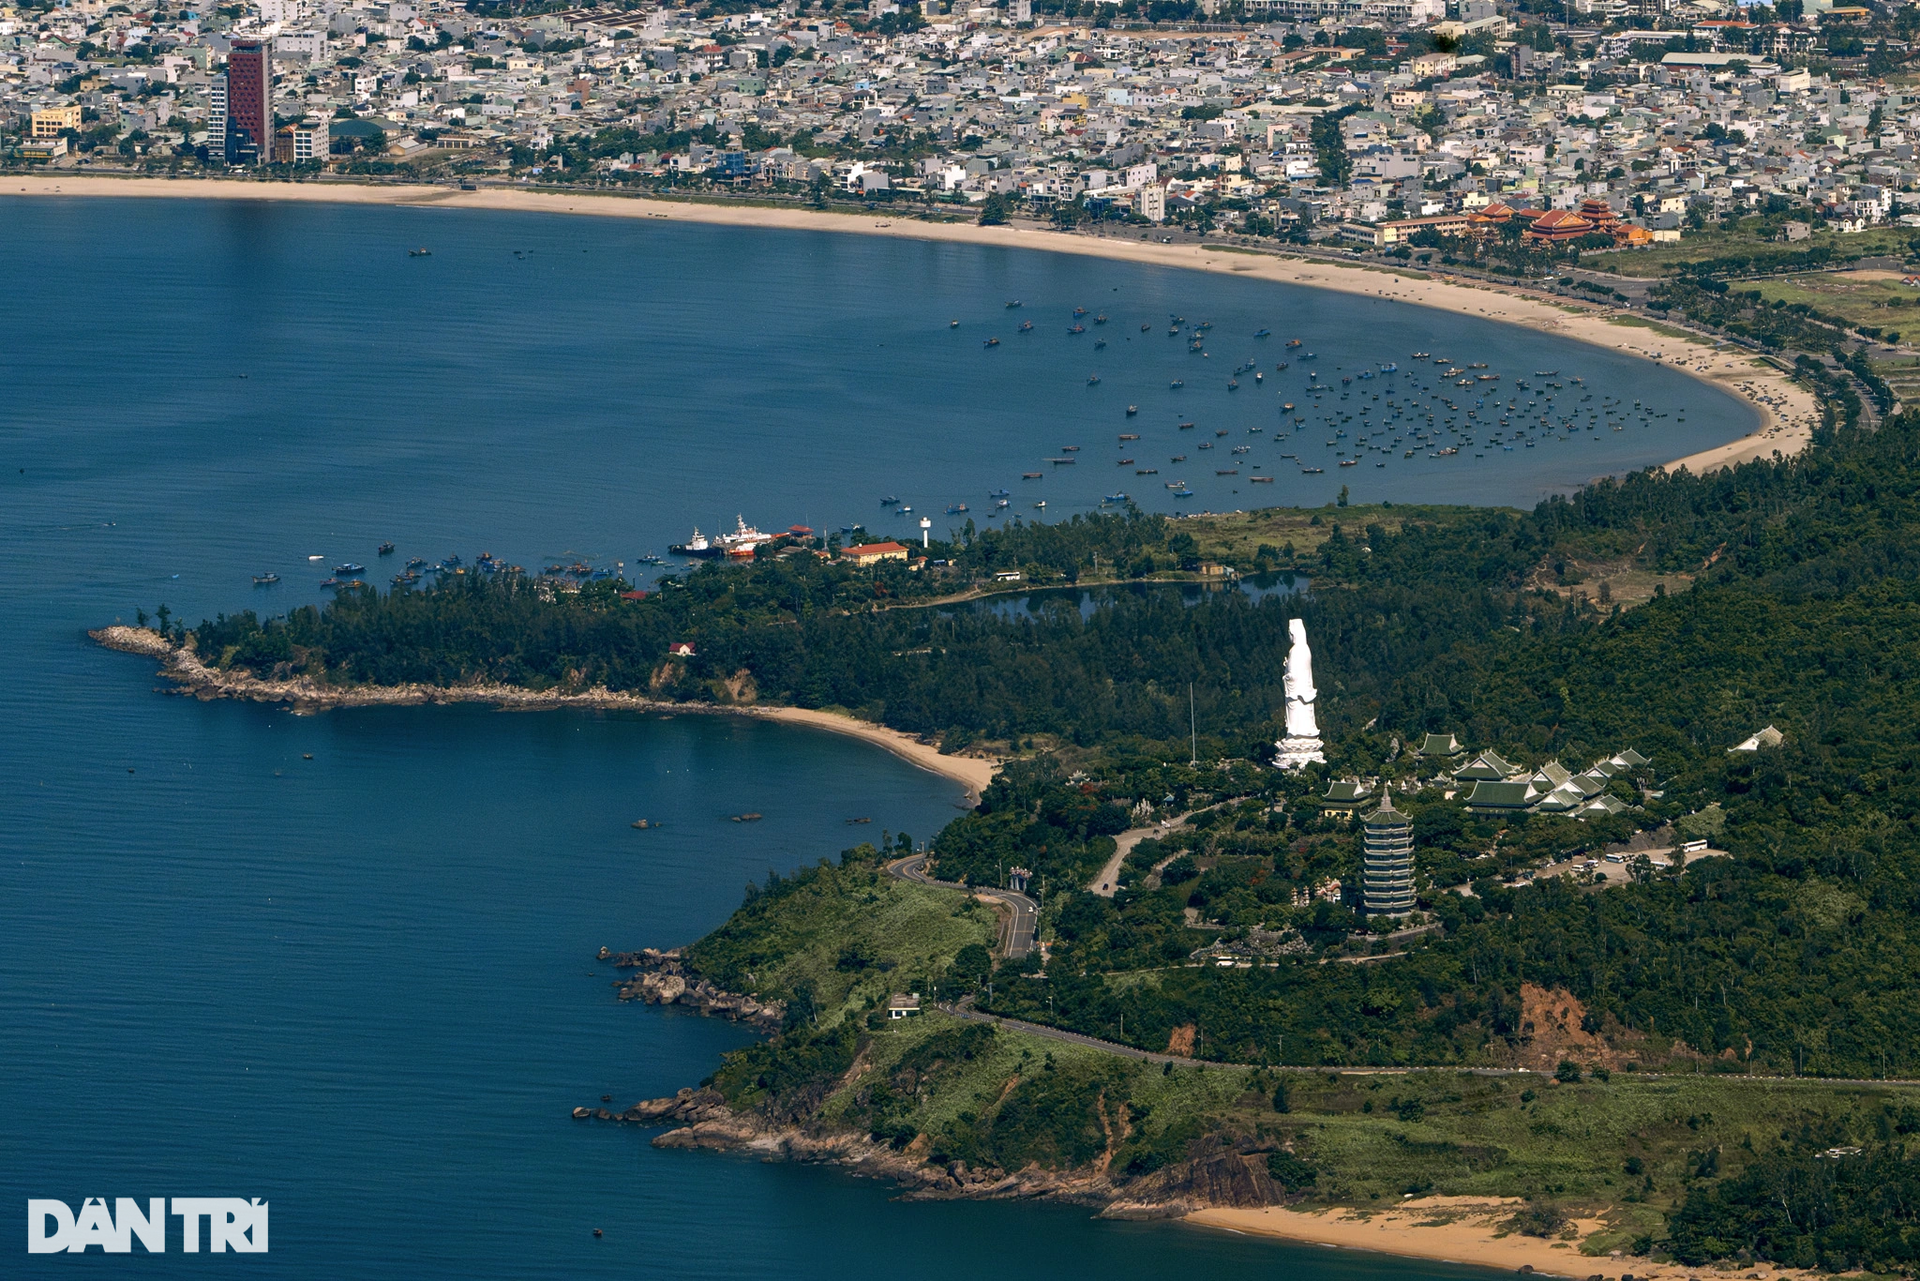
x=1233 y=384
x=1114 y=498
x=999 y=493
x=418 y=562
x=1259 y=377
x=1069 y=449
x=1293 y=343
x=331 y=582
x=888 y=501
x=1129 y=435
x=261 y=580
x=419 y=253
x=1147 y=471
x=1228 y=471
x=1026 y=326
x=1312 y=471
x=953 y=324
x=1125 y=462
x=386 y=549
x=1186 y=426
x=992 y=342
x=1176 y=385
x=1178 y=458
x=1280 y=368
x=957 y=509
x=1261 y=333
x=1076 y=329
x=1132 y=410
x=1100 y=319
x=1099 y=344
x=1000 y=502
x=1079 y=311
x=905 y=509
x=1062 y=462
x=1040 y=504
x=1183 y=493
x=1349 y=462
x=1093 y=380
x=1287 y=408
x=1013 y=304
x=1220 y=431
x=1031 y=475
x=349 y=568
x=1145 y=327
x=1260 y=480
x=1421 y=355
x=698 y=545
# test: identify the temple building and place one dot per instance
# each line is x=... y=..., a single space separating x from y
x=1387 y=858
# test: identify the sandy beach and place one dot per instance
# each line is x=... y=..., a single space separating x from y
x=1786 y=411
x=1445 y=1229
x=184 y=666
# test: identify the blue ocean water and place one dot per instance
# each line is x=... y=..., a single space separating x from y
x=360 y=985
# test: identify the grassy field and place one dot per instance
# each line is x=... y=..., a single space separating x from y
x=1622 y=1150
x=1659 y=260
x=1237 y=536
x=1858 y=297
x=853 y=934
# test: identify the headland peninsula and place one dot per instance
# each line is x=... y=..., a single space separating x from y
x=1637 y=752
x=1785 y=410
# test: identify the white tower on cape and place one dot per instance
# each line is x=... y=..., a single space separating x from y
x=1302 y=743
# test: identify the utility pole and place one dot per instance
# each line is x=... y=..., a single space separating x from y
x=1193 y=725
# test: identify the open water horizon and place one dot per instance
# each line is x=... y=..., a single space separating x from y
x=344 y=962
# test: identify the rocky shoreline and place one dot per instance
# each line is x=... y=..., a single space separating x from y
x=1226 y=1179
x=665 y=980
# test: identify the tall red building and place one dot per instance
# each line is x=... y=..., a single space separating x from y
x=250 y=103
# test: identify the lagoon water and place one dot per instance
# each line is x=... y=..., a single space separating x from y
x=360 y=985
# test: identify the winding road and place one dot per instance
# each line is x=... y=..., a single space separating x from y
x=1022 y=913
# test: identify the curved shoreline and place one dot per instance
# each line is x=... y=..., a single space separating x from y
x=184 y=667
x=1786 y=412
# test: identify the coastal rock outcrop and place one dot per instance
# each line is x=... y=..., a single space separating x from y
x=664 y=980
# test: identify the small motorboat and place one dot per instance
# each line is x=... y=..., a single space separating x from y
x=261 y=580
x=1262 y=333
x=1093 y=380
x=1026 y=326
x=1175 y=385
x=953 y=324
x=386 y=549
x=1076 y=329
x=349 y=568
x=1292 y=343
x=419 y=253
x=1079 y=311
x=992 y=342
x=1040 y=504
x=1013 y=304
x=1132 y=410
x=1100 y=319
x=1144 y=328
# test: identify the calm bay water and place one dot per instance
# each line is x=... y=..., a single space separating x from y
x=361 y=985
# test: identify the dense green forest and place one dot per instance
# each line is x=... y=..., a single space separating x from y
x=1797 y=604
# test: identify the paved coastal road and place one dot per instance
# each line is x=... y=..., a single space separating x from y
x=1023 y=914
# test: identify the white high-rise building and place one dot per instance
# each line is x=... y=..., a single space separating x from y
x=217 y=117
